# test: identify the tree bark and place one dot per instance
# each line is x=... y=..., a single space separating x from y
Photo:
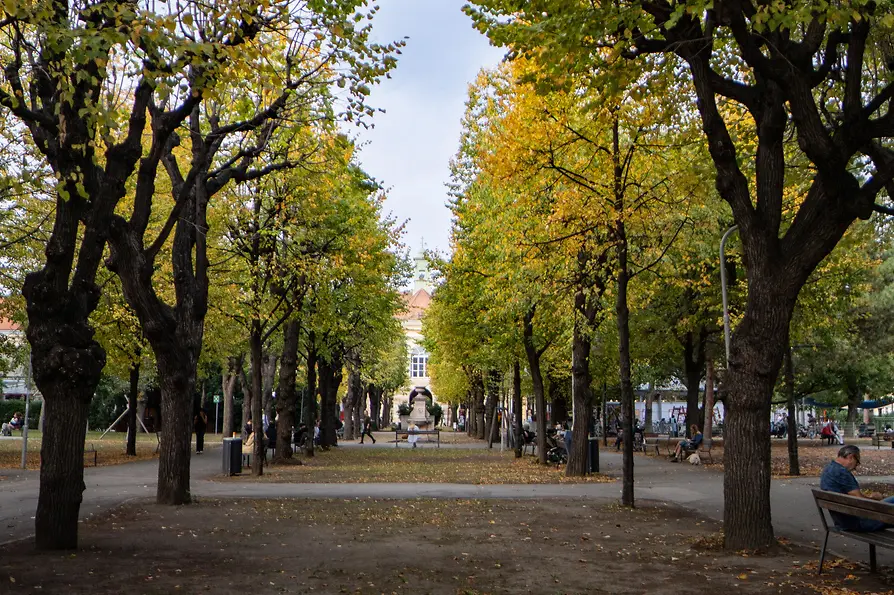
x=709 y=401
x=581 y=397
x=693 y=365
x=533 y=355
x=794 y=466
x=176 y=373
x=517 y=408
x=478 y=392
x=132 y=394
x=234 y=367
x=257 y=422
x=352 y=395
x=286 y=395
x=490 y=407
x=622 y=313
x=309 y=404
x=375 y=404
x=268 y=377
x=330 y=379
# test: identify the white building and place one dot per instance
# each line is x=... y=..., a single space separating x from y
x=417 y=301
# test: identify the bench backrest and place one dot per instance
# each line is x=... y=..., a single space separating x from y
x=861 y=507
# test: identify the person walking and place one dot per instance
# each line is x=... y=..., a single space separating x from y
x=200 y=424
x=367 y=429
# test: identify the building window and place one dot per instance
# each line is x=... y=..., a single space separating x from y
x=418 y=366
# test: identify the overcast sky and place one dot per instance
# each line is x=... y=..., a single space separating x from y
x=410 y=148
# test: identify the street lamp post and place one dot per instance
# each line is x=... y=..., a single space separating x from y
x=726 y=331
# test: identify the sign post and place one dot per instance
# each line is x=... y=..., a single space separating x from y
x=216 y=411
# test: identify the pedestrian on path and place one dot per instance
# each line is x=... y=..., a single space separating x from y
x=367 y=429
x=838 y=477
x=200 y=424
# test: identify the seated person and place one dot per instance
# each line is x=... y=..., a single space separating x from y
x=248 y=446
x=300 y=435
x=692 y=444
x=838 y=477
x=17 y=422
x=527 y=434
x=271 y=436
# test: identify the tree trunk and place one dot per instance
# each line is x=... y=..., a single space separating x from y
x=286 y=396
x=533 y=355
x=375 y=404
x=581 y=398
x=709 y=401
x=330 y=379
x=132 y=430
x=62 y=465
x=490 y=406
x=794 y=466
x=309 y=404
x=478 y=412
x=693 y=365
x=756 y=354
x=517 y=408
x=234 y=364
x=622 y=313
x=257 y=409
x=650 y=399
x=66 y=360
x=268 y=376
x=352 y=395
x=176 y=374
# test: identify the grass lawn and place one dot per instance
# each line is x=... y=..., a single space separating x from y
x=415 y=547
x=110 y=449
x=421 y=465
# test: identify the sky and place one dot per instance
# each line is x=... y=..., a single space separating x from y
x=410 y=147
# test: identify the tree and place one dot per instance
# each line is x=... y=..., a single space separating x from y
x=781 y=64
x=63 y=67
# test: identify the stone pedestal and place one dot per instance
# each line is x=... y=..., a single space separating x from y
x=419 y=414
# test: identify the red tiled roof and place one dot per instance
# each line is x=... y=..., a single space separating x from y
x=416 y=304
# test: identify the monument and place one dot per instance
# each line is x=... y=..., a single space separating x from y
x=419 y=414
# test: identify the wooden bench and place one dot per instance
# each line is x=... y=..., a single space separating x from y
x=704 y=450
x=861 y=507
x=656 y=441
x=879 y=439
x=397 y=434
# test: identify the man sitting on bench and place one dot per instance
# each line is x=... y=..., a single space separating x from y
x=838 y=477
x=688 y=445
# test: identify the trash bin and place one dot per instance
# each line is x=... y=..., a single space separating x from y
x=593 y=454
x=232 y=456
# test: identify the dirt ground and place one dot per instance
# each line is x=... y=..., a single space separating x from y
x=442 y=547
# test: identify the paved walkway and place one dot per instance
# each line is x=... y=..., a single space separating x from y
x=697 y=488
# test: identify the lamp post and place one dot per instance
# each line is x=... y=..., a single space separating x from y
x=726 y=332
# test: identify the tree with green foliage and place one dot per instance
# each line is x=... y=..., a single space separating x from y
x=88 y=81
x=819 y=75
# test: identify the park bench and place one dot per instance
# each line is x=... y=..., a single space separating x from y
x=879 y=439
x=397 y=434
x=861 y=507
x=91 y=452
x=655 y=442
x=703 y=450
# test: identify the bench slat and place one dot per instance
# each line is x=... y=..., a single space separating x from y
x=861 y=507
